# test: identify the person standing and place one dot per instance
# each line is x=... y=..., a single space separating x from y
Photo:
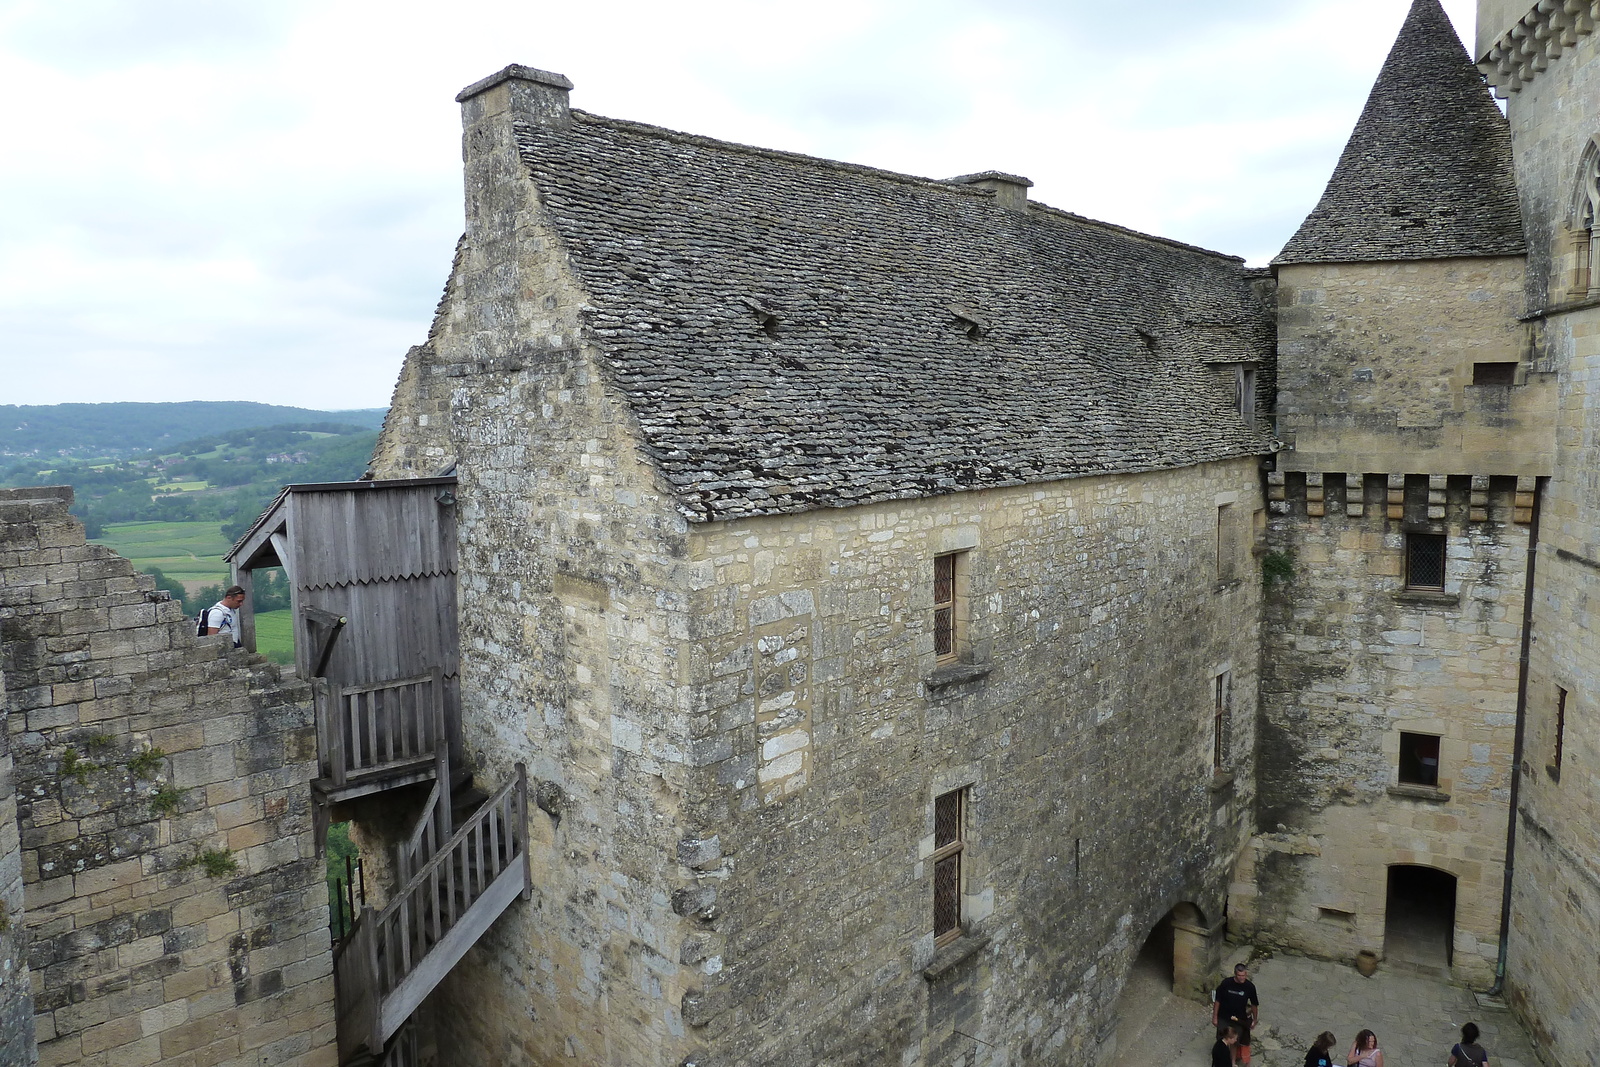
x=1320 y=1054
x=1468 y=1053
x=1222 y=1051
x=1235 y=1002
x=1365 y=1052
x=223 y=616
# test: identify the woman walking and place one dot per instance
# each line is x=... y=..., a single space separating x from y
x=1365 y=1052
x=1320 y=1054
x=1469 y=1053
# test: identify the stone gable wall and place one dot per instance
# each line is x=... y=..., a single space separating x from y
x=138 y=749
x=1079 y=719
x=572 y=645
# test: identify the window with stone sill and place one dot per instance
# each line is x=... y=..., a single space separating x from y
x=949 y=841
x=949 y=607
x=1222 y=703
x=1425 y=558
x=1419 y=760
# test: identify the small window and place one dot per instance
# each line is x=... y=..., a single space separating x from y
x=949 y=839
x=1425 y=561
x=946 y=613
x=1245 y=385
x=1227 y=543
x=1419 y=759
x=1561 y=731
x=1222 y=702
x=1494 y=374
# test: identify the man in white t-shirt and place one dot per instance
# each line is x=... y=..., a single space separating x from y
x=223 y=616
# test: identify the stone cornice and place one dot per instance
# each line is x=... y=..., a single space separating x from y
x=1538 y=38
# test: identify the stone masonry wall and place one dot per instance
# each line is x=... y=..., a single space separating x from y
x=175 y=909
x=16 y=997
x=1353 y=659
x=1552 y=974
x=1375 y=369
x=572 y=630
x=1552 y=971
x=1078 y=718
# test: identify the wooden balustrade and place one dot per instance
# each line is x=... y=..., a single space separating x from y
x=368 y=731
x=432 y=829
x=394 y=958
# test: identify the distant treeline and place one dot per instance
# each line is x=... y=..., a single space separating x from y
x=242 y=469
x=123 y=429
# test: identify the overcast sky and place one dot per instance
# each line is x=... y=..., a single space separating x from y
x=248 y=200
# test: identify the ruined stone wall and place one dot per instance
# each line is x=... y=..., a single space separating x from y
x=1375 y=369
x=175 y=910
x=1353 y=659
x=16 y=998
x=1078 y=718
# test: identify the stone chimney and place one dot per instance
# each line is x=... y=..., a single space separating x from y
x=521 y=93
x=496 y=178
x=1010 y=190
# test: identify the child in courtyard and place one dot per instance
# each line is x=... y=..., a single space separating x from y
x=1222 y=1051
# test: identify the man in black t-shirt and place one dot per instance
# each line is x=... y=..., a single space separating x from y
x=1235 y=1002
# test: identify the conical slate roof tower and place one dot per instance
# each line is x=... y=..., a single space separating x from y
x=1427 y=174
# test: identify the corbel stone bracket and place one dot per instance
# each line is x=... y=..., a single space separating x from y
x=1538 y=38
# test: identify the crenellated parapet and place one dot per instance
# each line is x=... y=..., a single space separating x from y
x=1527 y=49
x=1432 y=498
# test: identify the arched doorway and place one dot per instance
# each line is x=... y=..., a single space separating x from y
x=1153 y=1018
x=1420 y=920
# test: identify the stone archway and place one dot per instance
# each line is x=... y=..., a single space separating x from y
x=1178 y=962
x=1419 y=920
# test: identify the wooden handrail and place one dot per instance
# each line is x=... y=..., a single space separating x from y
x=446 y=905
x=392 y=959
x=367 y=729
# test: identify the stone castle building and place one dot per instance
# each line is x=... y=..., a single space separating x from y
x=883 y=608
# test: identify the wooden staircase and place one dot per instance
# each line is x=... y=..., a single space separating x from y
x=460 y=868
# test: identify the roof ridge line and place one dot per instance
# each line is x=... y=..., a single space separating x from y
x=948 y=184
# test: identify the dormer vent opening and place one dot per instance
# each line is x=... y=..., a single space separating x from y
x=766 y=318
x=970 y=322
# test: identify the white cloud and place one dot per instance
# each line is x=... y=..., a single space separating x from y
x=231 y=200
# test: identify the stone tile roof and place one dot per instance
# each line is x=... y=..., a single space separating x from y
x=1427 y=173
x=795 y=333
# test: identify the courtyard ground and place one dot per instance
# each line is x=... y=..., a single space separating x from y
x=1417 y=1017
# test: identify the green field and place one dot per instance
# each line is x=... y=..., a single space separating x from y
x=275 y=635
x=191 y=552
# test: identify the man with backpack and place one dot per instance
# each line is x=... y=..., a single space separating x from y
x=223 y=616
